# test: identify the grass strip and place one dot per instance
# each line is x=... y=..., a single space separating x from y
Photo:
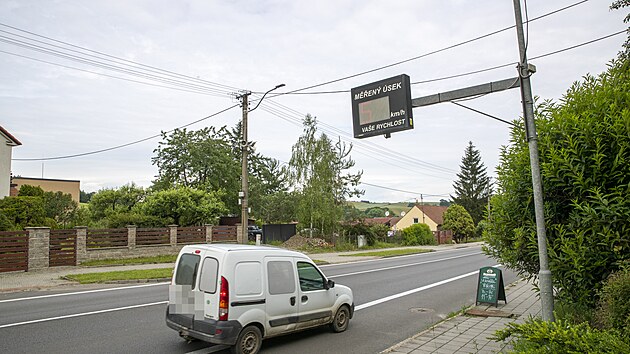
x=90 y=278
x=130 y=261
x=388 y=253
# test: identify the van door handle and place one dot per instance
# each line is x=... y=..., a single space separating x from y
x=304 y=298
x=292 y=300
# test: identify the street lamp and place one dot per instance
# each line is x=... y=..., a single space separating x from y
x=244 y=194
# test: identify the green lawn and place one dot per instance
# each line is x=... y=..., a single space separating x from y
x=128 y=261
x=90 y=278
x=388 y=253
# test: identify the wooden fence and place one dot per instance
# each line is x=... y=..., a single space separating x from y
x=63 y=248
x=100 y=238
x=13 y=251
x=154 y=236
x=41 y=247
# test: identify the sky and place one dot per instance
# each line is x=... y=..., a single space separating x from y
x=197 y=56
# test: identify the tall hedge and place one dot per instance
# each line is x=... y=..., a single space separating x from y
x=584 y=143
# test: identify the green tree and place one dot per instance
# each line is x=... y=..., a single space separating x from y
x=204 y=159
x=376 y=212
x=472 y=187
x=111 y=201
x=584 y=144
x=458 y=220
x=22 y=211
x=184 y=206
x=85 y=197
x=58 y=207
x=30 y=191
x=318 y=169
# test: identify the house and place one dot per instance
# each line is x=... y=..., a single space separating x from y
x=387 y=221
x=7 y=142
x=64 y=186
x=432 y=215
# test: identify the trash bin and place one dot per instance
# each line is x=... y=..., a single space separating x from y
x=361 y=241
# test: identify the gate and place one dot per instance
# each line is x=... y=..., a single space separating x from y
x=13 y=251
x=63 y=248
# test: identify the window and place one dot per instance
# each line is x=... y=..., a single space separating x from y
x=415 y=220
x=310 y=277
x=281 y=277
x=208 y=280
x=187 y=270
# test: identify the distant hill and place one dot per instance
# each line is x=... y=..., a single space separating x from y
x=396 y=208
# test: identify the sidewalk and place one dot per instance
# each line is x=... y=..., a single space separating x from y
x=469 y=333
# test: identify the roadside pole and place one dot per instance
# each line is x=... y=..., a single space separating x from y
x=244 y=175
x=544 y=275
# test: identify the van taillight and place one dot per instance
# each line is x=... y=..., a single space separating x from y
x=224 y=300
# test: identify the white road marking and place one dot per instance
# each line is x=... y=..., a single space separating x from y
x=83 y=314
x=416 y=290
x=212 y=349
x=403 y=265
x=82 y=292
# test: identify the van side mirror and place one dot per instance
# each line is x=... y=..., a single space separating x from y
x=330 y=284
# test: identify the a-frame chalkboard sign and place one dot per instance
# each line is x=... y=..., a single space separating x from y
x=490 y=287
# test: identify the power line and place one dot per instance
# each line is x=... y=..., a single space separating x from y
x=112 y=76
x=133 y=63
x=429 y=53
x=404 y=191
x=127 y=144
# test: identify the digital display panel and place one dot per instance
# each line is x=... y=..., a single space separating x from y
x=374 y=110
x=382 y=107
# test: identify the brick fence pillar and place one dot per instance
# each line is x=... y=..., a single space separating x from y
x=38 y=247
x=131 y=236
x=208 y=233
x=173 y=234
x=81 y=243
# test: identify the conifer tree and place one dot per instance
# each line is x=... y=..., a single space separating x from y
x=472 y=186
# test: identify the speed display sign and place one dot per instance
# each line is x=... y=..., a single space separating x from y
x=382 y=107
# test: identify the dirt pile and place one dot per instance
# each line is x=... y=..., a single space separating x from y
x=299 y=242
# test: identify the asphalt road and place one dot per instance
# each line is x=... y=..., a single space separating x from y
x=395 y=298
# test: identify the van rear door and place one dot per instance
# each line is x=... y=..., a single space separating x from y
x=209 y=286
x=281 y=302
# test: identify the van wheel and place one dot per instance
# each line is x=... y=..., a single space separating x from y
x=249 y=341
x=342 y=317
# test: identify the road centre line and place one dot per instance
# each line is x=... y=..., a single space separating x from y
x=165 y=283
x=404 y=265
x=357 y=308
x=82 y=292
x=416 y=290
x=83 y=314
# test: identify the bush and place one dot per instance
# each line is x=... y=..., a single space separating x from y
x=418 y=234
x=537 y=336
x=613 y=311
x=140 y=220
x=584 y=145
x=360 y=228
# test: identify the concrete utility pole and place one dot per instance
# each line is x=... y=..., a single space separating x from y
x=544 y=275
x=244 y=173
x=244 y=194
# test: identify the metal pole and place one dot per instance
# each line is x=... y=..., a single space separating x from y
x=244 y=173
x=544 y=275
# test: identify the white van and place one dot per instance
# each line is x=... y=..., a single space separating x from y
x=240 y=294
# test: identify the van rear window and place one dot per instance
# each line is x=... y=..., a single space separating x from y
x=208 y=282
x=187 y=270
